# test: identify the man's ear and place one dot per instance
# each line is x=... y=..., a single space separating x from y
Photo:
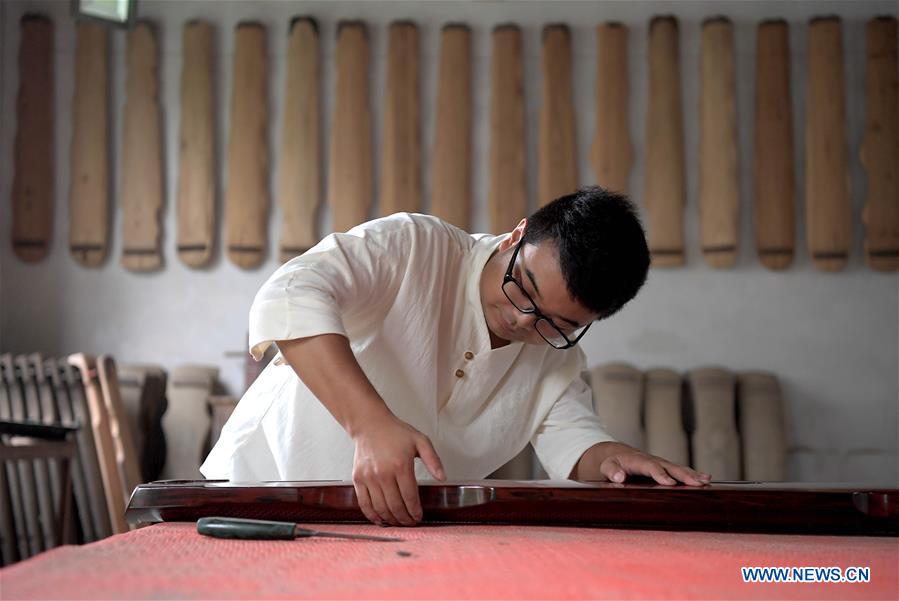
x=515 y=236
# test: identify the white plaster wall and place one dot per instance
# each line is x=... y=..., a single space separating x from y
x=832 y=338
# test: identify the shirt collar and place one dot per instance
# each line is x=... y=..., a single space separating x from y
x=481 y=251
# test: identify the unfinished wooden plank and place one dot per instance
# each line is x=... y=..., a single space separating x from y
x=612 y=153
x=122 y=437
x=246 y=197
x=186 y=421
x=719 y=171
x=350 y=153
x=775 y=204
x=299 y=173
x=827 y=204
x=89 y=175
x=557 y=144
x=665 y=188
x=196 y=150
x=618 y=401
x=400 y=184
x=715 y=441
x=762 y=435
x=880 y=147
x=507 y=196
x=665 y=435
x=142 y=154
x=106 y=452
x=33 y=177
x=451 y=197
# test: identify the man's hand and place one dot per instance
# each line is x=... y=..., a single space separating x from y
x=383 y=470
x=613 y=461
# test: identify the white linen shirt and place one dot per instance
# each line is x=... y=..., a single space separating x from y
x=405 y=291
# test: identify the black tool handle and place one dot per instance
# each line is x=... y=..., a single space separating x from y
x=246 y=529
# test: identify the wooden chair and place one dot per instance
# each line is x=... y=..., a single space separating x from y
x=20 y=473
x=37 y=452
x=40 y=399
x=32 y=442
x=93 y=508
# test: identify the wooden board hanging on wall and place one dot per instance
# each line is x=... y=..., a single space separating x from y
x=246 y=196
x=719 y=189
x=350 y=154
x=89 y=174
x=507 y=196
x=665 y=188
x=775 y=204
x=557 y=145
x=299 y=170
x=827 y=205
x=612 y=153
x=141 y=154
x=880 y=147
x=401 y=145
x=33 y=179
x=451 y=156
x=196 y=160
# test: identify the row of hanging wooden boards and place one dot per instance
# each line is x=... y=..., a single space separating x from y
x=828 y=208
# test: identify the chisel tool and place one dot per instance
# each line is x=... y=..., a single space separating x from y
x=268 y=530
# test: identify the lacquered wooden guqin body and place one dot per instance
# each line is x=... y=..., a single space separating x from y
x=721 y=506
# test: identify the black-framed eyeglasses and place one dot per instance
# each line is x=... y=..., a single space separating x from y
x=522 y=301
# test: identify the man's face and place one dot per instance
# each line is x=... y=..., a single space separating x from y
x=537 y=270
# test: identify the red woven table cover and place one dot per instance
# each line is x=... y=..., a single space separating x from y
x=170 y=560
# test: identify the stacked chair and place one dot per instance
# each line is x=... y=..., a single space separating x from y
x=36 y=512
x=77 y=434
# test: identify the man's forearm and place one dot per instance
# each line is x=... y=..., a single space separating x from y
x=326 y=365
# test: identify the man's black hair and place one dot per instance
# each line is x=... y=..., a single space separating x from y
x=602 y=247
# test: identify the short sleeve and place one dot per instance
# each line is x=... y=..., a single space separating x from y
x=346 y=276
x=568 y=430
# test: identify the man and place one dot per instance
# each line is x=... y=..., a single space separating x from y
x=409 y=338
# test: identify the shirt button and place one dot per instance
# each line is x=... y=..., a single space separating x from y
x=459 y=373
x=469 y=355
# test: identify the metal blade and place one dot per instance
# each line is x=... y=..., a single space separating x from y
x=386 y=539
